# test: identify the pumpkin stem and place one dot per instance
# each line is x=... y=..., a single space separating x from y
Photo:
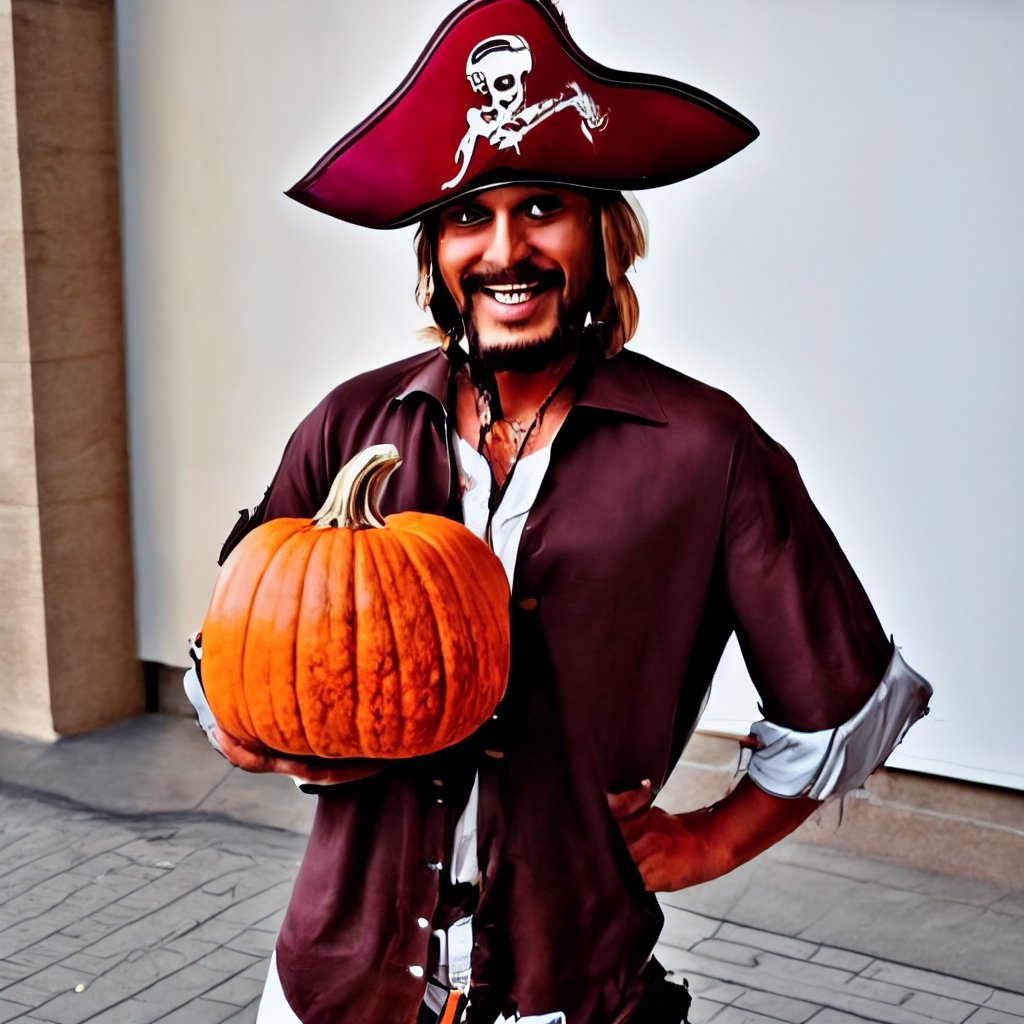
x=357 y=489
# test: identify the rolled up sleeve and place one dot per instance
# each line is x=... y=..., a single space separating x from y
x=832 y=762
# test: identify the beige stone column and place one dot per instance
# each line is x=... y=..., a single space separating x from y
x=67 y=628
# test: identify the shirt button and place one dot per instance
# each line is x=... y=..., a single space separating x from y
x=422 y=922
x=434 y=865
x=415 y=970
x=528 y=604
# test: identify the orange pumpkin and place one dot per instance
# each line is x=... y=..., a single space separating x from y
x=346 y=636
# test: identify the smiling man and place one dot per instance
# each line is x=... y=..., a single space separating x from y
x=642 y=518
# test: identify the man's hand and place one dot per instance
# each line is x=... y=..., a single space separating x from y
x=674 y=851
x=315 y=771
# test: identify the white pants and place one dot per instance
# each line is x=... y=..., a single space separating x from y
x=274 y=1008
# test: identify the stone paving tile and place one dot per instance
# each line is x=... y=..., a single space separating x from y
x=928 y=981
x=228 y=960
x=720 y=992
x=1009 y=1002
x=783 y=1008
x=247 y=1015
x=985 y=1015
x=75 y=1007
x=734 y=1015
x=880 y=991
x=269 y=925
x=88 y=964
x=259 y=908
x=11 y=1011
x=257 y=970
x=43 y=985
x=704 y=1011
x=940 y=1008
x=841 y=958
x=200 y=1011
x=793 y=984
x=831 y=1016
x=255 y=941
x=237 y=991
x=175 y=990
x=684 y=929
x=727 y=952
x=1010 y=903
x=796 y=948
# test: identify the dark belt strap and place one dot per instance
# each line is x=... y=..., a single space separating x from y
x=664 y=1001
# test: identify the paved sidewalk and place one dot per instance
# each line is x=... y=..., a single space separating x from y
x=142 y=879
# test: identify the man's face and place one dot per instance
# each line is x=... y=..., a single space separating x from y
x=517 y=260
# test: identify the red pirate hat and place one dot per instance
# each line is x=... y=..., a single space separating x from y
x=502 y=94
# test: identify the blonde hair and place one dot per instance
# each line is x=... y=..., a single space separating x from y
x=613 y=301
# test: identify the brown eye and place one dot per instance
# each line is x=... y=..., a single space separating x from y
x=543 y=206
x=465 y=216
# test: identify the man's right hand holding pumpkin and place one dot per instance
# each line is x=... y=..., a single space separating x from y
x=309 y=771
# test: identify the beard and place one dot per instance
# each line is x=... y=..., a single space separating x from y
x=527 y=355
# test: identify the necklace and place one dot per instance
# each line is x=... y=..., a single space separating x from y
x=508 y=435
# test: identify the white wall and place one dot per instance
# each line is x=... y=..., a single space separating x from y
x=852 y=278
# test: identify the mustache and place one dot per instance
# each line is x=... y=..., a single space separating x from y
x=523 y=272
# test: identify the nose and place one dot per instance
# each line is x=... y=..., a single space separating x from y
x=508 y=242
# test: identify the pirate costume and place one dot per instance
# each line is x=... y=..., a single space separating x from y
x=490 y=882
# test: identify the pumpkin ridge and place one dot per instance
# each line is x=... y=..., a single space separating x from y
x=422 y=558
x=312 y=546
x=479 y=602
x=420 y=718
x=242 y=706
x=330 y=696
x=389 y=706
x=451 y=546
x=478 y=585
x=369 y=717
x=458 y=713
x=272 y=692
x=354 y=637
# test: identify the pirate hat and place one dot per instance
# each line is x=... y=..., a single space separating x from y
x=502 y=94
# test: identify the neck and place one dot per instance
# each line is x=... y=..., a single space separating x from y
x=533 y=407
x=521 y=394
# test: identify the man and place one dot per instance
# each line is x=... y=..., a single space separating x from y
x=641 y=518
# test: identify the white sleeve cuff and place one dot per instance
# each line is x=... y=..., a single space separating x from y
x=832 y=762
x=194 y=689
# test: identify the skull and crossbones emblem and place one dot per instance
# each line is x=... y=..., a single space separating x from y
x=497 y=69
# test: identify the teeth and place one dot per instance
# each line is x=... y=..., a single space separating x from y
x=511 y=294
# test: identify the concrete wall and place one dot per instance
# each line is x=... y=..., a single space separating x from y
x=22 y=626
x=65 y=552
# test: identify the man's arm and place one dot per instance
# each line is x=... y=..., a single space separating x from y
x=674 y=851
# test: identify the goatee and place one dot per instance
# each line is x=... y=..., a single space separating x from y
x=526 y=356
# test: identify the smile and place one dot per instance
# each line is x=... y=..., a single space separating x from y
x=511 y=294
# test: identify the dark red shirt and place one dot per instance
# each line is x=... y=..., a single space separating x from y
x=667 y=521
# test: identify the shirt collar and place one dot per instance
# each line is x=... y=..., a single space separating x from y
x=619 y=384
x=429 y=378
